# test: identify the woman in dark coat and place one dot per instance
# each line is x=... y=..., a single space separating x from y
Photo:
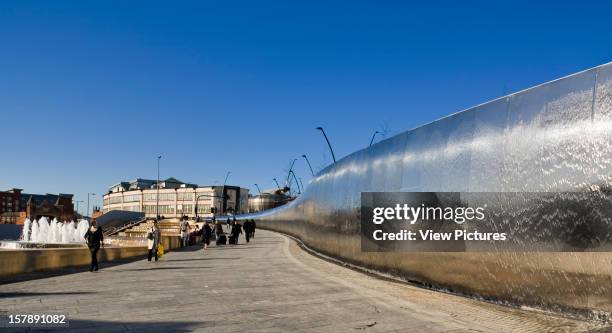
x=95 y=239
x=207 y=234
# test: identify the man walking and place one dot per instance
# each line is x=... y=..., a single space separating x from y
x=95 y=239
x=236 y=231
x=247 y=229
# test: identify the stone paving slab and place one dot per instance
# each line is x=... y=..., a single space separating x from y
x=270 y=285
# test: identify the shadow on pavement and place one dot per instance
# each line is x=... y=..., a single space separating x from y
x=158 y=268
x=64 y=271
x=190 y=248
x=198 y=259
x=26 y=294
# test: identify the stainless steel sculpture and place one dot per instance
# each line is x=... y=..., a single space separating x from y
x=554 y=137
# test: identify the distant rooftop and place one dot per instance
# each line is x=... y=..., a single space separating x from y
x=142 y=184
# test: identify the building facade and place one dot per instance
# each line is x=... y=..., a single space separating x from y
x=16 y=206
x=176 y=198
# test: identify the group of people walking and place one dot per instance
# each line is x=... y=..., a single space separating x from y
x=95 y=237
x=235 y=229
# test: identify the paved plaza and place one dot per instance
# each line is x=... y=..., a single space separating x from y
x=270 y=285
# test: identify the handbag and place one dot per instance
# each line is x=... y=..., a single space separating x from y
x=160 y=251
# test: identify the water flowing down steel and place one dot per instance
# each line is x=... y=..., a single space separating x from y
x=555 y=137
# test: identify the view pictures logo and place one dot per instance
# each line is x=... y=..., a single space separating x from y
x=411 y=214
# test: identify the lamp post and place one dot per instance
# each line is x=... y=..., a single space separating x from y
x=77 y=202
x=296 y=182
x=88 y=194
x=290 y=169
x=157 y=196
x=276 y=181
x=328 y=144
x=310 y=166
x=373 y=136
x=223 y=210
x=226 y=176
x=258 y=190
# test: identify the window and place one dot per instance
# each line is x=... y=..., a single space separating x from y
x=185 y=196
x=132 y=208
x=184 y=209
x=162 y=196
x=167 y=196
x=131 y=198
x=163 y=209
x=203 y=209
x=150 y=196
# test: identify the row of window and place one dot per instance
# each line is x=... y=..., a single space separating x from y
x=167 y=209
x=153 y=197
x=163 y=209
x=131 y=198
x=114 y=200
x=131 y=208
x=162 y=197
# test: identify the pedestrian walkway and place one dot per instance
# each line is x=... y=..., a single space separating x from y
x=270 y=285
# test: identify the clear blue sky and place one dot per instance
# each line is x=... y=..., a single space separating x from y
x=91 y=92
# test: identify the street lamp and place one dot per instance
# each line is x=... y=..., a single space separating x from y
x=310 y=166
x=373 y=135
x=77 y=202
x=328 y=144
x=290 y=169
x=92 y=194
x=223 y=208
x=157 y=196
x=296 y=182
x=226 y=175
x=258 y=190
x=276 y=181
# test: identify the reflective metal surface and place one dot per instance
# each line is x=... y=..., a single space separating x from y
x=551 y=138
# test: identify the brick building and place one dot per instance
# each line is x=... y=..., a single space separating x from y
x=10 y=205
x=16 y=206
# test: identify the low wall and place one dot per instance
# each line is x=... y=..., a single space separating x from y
x=34 y=260
x=13 y=262
x=170 y=242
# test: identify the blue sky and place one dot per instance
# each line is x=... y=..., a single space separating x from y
x=91 y=92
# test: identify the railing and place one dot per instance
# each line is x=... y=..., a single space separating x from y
x=118 y=229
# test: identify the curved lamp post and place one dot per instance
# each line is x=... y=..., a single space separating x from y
x=276 y=181
x=373 y=136
x=328 y=144
x=290 y=169
x=258 y=190
x=226 y=176
x=310 y=166
x=296 y=182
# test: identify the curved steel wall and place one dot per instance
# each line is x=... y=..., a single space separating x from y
x=550 y=138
